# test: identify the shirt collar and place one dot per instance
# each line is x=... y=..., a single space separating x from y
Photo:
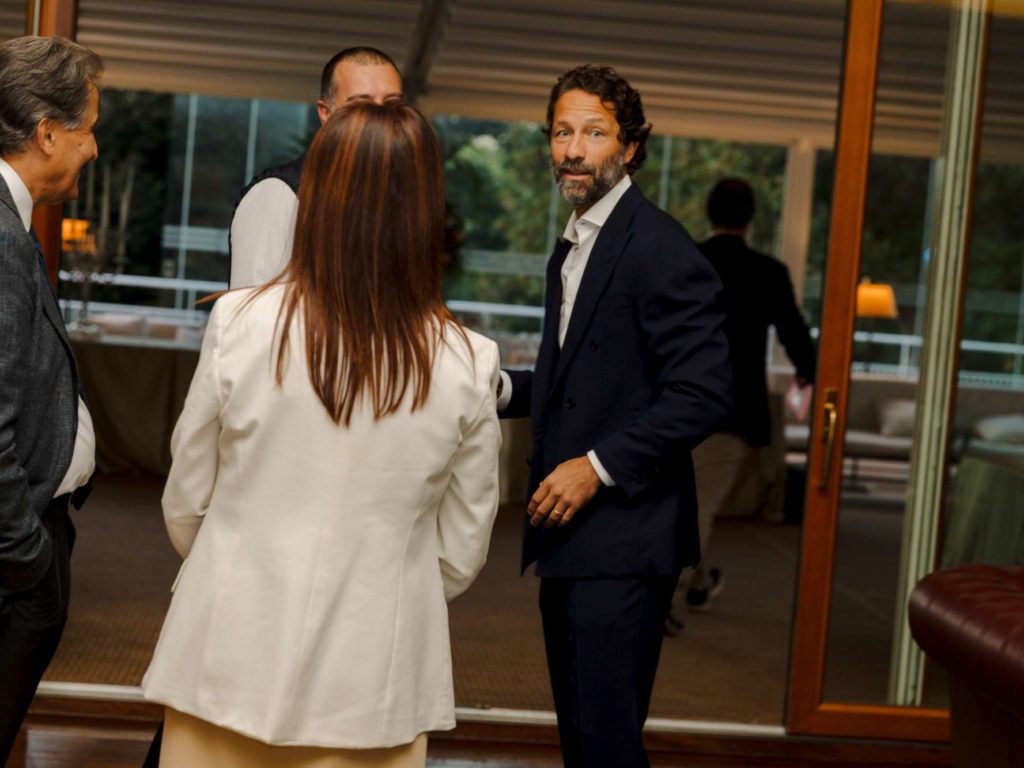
x=598 y=213
x=22 y=197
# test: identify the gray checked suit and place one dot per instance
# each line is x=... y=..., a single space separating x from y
x=39 y=392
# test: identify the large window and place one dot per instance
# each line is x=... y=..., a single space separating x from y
x=994 y=312
x=159 y=202
x=896 y=252
x=505 y=205
x=171 y=168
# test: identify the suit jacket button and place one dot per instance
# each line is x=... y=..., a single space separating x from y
x=570 y=403
x=594 y=345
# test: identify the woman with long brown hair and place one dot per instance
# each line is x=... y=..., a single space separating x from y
x=334 y=478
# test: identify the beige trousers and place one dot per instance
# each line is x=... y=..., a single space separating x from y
x=719 y=465
x=193 y=743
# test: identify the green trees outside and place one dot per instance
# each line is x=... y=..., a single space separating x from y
x=132 y=136
x=894 y=237
x=499 y=182
x=995 y=271
x=129 y=185
x=508 y=211
x=679 y=173
x=895 y=251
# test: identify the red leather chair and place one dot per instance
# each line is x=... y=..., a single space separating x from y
x=970 y=619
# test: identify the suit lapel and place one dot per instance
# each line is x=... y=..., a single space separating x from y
x=49 y=299
x=50 y=307
x=8 y=199
x=611 y=242
x=547 y=355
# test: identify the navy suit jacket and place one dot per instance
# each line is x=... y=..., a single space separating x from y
x=757 y=293
x=642 y=377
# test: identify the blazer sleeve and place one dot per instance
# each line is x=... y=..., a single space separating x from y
x=682 y=329
x=25 y=548
x=791 y=327
x=469 y=505
x=194 y=458
x=261 y=233
x=522 y=387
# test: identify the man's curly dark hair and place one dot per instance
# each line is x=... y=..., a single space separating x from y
x=611 y=88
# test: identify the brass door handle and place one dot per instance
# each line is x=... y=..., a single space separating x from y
x=828 y=434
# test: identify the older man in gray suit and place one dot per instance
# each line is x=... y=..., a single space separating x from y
x=49 y=104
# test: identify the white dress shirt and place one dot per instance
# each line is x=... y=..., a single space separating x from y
x=582 y=232
x=261 y=233
x=83 y=458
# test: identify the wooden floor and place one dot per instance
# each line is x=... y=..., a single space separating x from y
x=82 y=742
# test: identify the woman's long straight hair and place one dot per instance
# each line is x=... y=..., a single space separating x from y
x=365 y=270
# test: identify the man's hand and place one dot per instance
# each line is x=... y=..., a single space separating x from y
x=563 y=493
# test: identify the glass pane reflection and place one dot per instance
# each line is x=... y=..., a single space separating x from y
x=885 y=370
x=982 y=520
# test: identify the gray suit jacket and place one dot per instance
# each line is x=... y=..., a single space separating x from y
x=38 y=403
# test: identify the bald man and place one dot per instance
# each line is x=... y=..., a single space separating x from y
x=264 y=220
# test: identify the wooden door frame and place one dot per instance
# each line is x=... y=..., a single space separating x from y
x=807 y=713
x=56 y=18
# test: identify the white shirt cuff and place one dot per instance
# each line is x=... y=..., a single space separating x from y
x=506 y=391
x=599 y=468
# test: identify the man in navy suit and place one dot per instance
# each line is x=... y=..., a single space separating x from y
x=632 y=373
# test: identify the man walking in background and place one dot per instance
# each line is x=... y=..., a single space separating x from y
x=757 y=294
x=632 y=373
x=49 y=105
x=264 y=221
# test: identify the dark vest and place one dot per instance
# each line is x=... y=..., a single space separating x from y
x=290 y=173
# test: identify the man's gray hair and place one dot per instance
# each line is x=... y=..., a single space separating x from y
x=42 y=77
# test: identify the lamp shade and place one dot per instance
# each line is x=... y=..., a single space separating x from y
x=875 y=300
x=72 y=233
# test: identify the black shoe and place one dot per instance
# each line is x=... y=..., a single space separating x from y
x=699 y=599
x=674 y=626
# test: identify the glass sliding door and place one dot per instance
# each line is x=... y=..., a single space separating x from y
x=885 y=377
x=884 y=396
x=981 y=515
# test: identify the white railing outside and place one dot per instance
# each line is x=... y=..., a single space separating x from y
x=192 y=290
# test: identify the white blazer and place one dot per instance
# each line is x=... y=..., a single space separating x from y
x=311 y=606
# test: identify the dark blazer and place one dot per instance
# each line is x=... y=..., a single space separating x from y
x=38 y=403
x=757 y=293
x=643 y=377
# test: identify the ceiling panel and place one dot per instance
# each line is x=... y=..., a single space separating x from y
x=12 y=19
x=725 y=69
x=248 y=48
x=734 y=69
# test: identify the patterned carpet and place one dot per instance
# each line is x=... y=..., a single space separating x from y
x=730 y=664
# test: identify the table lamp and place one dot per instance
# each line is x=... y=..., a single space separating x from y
x=874 y=300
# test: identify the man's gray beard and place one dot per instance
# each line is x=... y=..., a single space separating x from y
x=584 y=194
